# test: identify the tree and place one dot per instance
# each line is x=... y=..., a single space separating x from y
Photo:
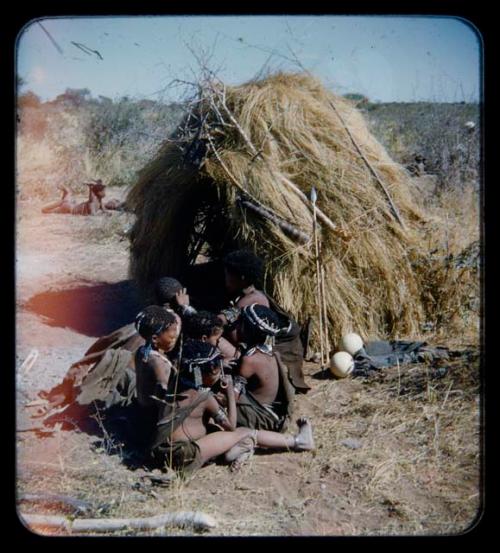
x=28 y=100
x=357 y=98
x=73 y=97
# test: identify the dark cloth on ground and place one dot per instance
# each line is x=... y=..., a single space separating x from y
x=181 y=456
x=253 y=414
x=111 y=381
x=380 y=354
x=133 y=425
x=291 y=349
x=125 y=338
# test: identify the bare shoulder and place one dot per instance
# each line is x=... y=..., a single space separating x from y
x=208 y=405
x=159 y=360
x=227 y=349
x=254 y=297
x=249 y=365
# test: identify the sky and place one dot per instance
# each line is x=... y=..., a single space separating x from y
x=386 y=58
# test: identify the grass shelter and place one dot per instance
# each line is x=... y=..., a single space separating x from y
x=238 y=172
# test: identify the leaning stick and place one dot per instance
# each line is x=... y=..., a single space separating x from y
x=318 y=277
x=320 y=214
x=197 y=520
x=284 y=224
x=253 y=149
x=266 y=213
x=325 y=316
x=370 y=167
x=290 y=184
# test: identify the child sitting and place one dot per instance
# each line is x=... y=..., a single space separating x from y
x=182 y=441
x=244 y=274
x=208 y=327
x=264 y=393
x=160 y=329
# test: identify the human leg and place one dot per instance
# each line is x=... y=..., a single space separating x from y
x=61 y=206
x=216 y=443
x=243 y=450
x=302 y=441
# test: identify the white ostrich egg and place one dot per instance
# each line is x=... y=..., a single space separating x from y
x=341 y=364
x=351 y=343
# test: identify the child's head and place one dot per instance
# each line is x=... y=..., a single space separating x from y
x=204 y=326
x=165 y=289
x=158 y=327
x=98 y=188
x=242 y=268
x=201 y=363
x=256 y=323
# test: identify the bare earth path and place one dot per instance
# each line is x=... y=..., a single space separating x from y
x=396 y=454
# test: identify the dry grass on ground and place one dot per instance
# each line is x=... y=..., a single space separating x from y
x=410 y=465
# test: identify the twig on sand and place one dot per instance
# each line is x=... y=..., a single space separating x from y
x=51 y=498
x=29 y=361
x=195 y=519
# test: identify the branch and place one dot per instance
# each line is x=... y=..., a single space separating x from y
x=284 y=225
x=51 y=498
x=320 y=214
x=290 y=184
x=198 y=520
x=371 y=169
x=57 y=47
x=255 y=204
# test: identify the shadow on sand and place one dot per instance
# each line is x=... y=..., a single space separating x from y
x=92 y=309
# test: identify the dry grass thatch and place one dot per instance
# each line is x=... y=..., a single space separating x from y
x=255 y=142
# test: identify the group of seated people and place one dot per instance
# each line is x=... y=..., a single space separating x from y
x=209 y=385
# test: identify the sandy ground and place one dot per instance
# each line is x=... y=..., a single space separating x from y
x=395 y=455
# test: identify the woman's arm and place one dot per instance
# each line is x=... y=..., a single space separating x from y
x=162 y=369
x=227 y=381
x=225 y=419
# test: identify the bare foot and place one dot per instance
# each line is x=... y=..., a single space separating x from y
x=246 y=445
x=304 y=440
x=240 y=461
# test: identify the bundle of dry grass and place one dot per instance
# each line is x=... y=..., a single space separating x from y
x=268 y=143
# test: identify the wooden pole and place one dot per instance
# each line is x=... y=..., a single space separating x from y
x=325 y=317
x=318 y=276
x=195 y=519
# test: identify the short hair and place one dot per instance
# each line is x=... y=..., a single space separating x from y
x=97 y=187
x=166 y=288
x=153 y=320
x=202 y=323
x=199 y=354
x=259 y=322
x=245 y=263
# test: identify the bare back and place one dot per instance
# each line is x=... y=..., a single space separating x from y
x=152 y=375
x=262 y=373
